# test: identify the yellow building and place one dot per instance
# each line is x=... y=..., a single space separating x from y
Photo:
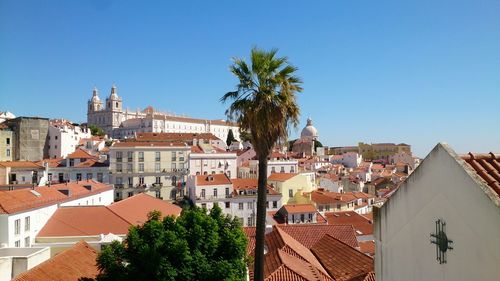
x=376 y=151
x=292 y=185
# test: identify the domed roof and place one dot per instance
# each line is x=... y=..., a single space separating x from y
x=95 y=97
x=113 y=95
x=309 y=131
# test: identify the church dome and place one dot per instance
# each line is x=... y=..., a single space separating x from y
x=95 y=97
x=309 y=132
x=113 y=95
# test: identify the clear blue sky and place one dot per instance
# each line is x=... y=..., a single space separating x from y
x=417 y=72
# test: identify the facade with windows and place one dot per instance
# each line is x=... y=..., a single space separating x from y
x=158 y=168
x=236 y=197
x=291 y=185
x=25 y=211
x=208 y=160
x=6 y=144
x=64 y=137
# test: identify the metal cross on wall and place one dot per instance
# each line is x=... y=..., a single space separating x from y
x=443 y=244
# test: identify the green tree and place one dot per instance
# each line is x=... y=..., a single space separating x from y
x=96 y=130
x=264 y=103
x=245 y=136
x=195 y=246
x=230 y=137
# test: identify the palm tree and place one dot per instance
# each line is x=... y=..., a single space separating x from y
x=264 y=103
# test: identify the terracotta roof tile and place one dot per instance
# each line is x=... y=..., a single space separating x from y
x=70 y=265
x=148 y=144
x=84 y=221
x=310 y=234
x=249 y=184
x=370 y=276
x=367 y=247
x=299 y=208
x=215 y=179
x=80 y=154
x=250 y=233
x=328 y=197
x=342 y=261
x=362 y=225
x=21 y=164
x=176 y=137
x=136 y=208
x=487 y=166
x=281 y=176
x=14 y=201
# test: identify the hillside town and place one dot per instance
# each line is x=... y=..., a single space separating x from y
x=332 y=213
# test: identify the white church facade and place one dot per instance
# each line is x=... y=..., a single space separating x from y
x=120 y=123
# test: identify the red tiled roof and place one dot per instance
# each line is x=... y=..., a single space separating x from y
x=487 y=166
x=80 y=154
x=250 y=233
x=310 y=234
x=342 y=261
x=367 y=247
x=21 y=164
x=135 y=209
x=281 y=176
x=91 y=163
x=370 y=276
x=178 y=137
x=250 y=184
x=328 y=197
x=362 y=225
x=215 y=179
x=72 y=264
x=299 y=208
x=53 y=162
x=84 y=221
x=148 y=144
x=13 y=201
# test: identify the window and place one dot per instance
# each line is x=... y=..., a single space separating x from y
x=290 y=192
x=250 y=205
x=130 y=155
x=7 y=153
x=119 y=180
x=267 y=204
x=17 y=244
x=310 y=217
x=78 y=176
x=292 y=169
x=141 y=167
x=141 y=180
x=174 y=167
x=129 y=168
x=174 y=158
x=71 y=162
x=203 y=193
x=302 y=217
x=118 y=156
x=215 y=192
x=227 y=192
x=7 y=141
x=99 y=177
x=141 y=156
x=158 y=194
x=282 y=169
x=275 y=204
x=130 y=181
x=157 y=167
x=249 y=221
x=27 y=224
x=240 y=206
x=17 y=226
x=130 y=194
x=158 y=180
x=89 y=176
x=228 y=205
x=27 y=241
x=119 y=168
x=273 y=170
x=157 y=156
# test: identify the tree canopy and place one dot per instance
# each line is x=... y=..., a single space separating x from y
x=96 y=130
x=230 y=137
x=195 y=246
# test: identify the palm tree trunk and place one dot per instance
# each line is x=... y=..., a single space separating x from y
x=261 y=219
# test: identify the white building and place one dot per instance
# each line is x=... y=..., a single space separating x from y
x=277 y=163
x=443 y=222
x=23 y=212
x=331 y=182
x=120 y=123
x=64 y=137
x=236 y=197
x=205 y=159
